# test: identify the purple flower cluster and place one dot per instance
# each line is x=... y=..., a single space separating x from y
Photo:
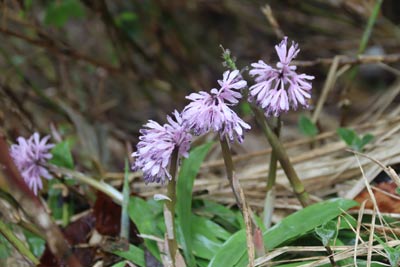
x=29 y=155
x=211 y=111
x=156 y=145
x=207 y=112
x=278 y=89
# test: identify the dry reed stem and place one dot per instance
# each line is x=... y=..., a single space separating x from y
x=345 y=60
x=328 y=85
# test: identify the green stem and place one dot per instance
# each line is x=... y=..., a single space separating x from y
x=270 y=188
x=284 y=160
x=65 y=213
x=18 y=244
x=101 y=186
x=125 y=223
x=230 y=171
x=170 y=205
x=370 y=25
x=239 y=194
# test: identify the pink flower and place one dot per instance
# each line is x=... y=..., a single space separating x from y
x=29 y=155
x=285 y=57
x=278 y=89
x=208 y=112
x=156 y=145
x=231 y=80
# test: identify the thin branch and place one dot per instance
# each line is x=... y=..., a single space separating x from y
x=267 y=10
x=356 y=60
x=66 y=51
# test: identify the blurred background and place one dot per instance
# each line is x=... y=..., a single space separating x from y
x=91 y=72
x=96 y=70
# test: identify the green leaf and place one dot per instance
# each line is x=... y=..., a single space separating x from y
x=134 y=254
x=393 y=254
x=347 y=222
x=327 y=232
x=54 y=200
x=120 y=264
x=363 y=141
x=364 y=263
x=4 y=247
x=62 y=156
x=207 y=237
x=201 y=262
x=125 y=17
x=291 y=227
x=59 y=12
x=294 y=264
x=305 y=220
x=205 y=248
x=231 y=251
x=209 y=228
x=307 y=127
x=347 y=135
x=187 y=174
x=144 y=217
x=225 y=216
x=36 y=244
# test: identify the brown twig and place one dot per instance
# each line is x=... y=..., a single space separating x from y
x=272 y=20
x=50 y=46
x=387 y=169
x=360 y=59
x=34 y=209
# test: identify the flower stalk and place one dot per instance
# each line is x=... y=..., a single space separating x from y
x=170 y=207
x=239 y=197
x=230 y=171
x=270 y=188
x=284 y=160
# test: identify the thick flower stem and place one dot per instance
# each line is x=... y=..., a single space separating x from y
x=240 y=199
x=230 y=171
x=270 y=188
x=169 y=213
x=284 y=160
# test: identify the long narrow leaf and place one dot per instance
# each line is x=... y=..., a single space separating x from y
x=190 y=168
x=134 y=254
x=144 y=217
x=293 y=226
